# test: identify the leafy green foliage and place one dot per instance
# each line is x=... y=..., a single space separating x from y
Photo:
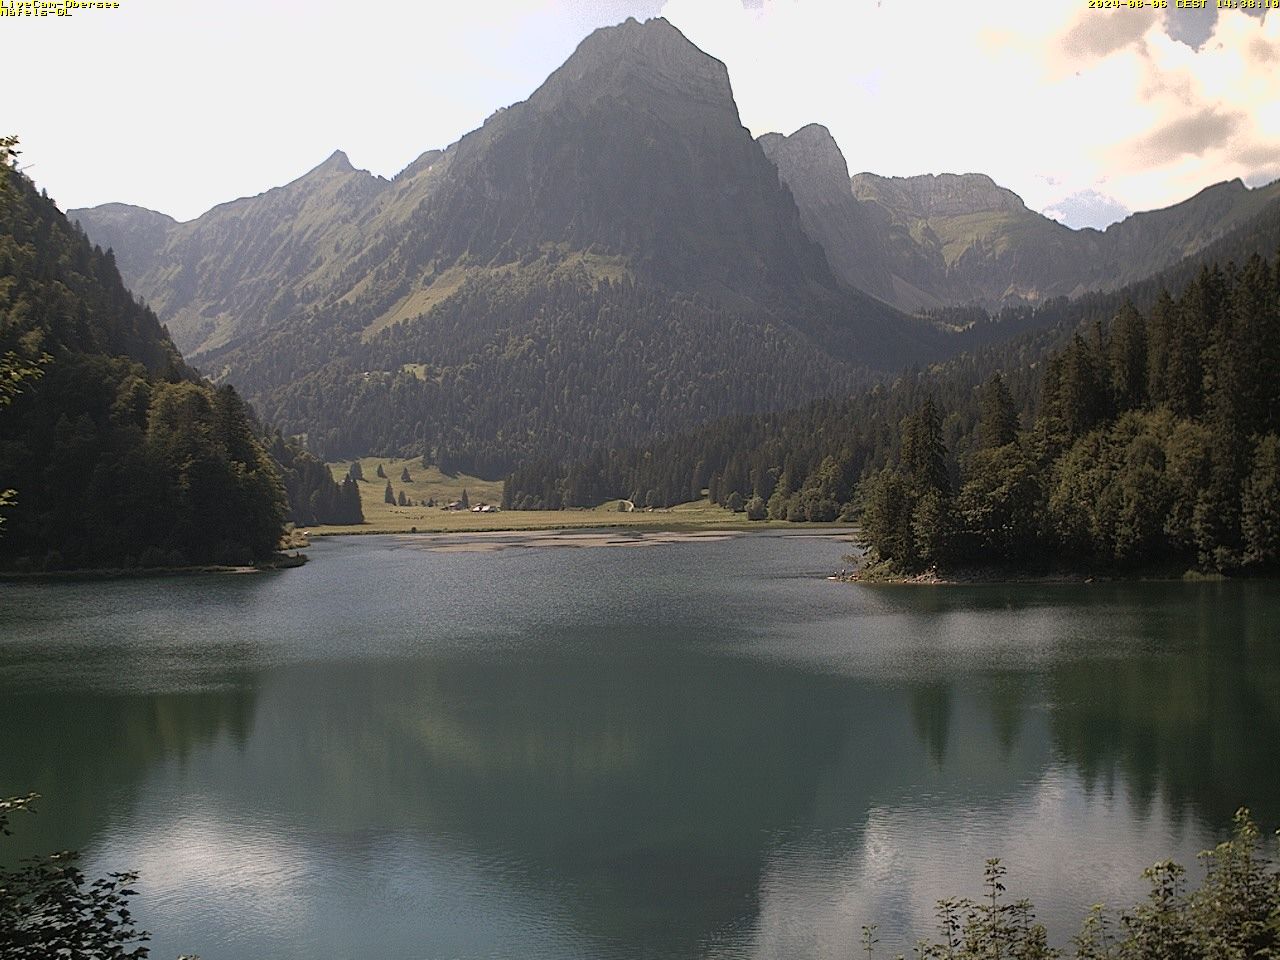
x=15 y=369
x=1260 y=504
x=1233 y=915
x=49 y=910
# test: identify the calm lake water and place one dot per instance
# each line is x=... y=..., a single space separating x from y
x=696 y=750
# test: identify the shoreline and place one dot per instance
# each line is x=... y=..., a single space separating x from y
x=994 y=576
x=284 y=562
x=590 y=532
x=588 y=522
x=586 y=537
x=480 y=541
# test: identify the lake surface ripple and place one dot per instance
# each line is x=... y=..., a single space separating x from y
x=690 y=750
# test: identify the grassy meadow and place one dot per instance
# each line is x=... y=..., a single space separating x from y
x=428 y=483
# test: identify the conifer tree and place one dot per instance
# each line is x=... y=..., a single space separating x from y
x=924 y=455
x=381 y=473
x=714 y=488
x=997 y=415
x=1217 y=519
x=1128 y=359
x=389 y=495
x=885 y=528
x=698 y=482
x=1260 y=504
x=350 y=509
x=778 y=500
x=1160 y=321
x=1195 y=328
x=1078 y=397
x=355 y=471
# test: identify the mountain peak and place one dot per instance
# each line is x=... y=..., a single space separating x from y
x=125 y=210
x=633 y=60
x=814 y=133
x=655 y=37
x=338 y=162
x=809 y=160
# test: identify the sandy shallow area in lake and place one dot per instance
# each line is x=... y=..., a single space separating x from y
x=489 y=542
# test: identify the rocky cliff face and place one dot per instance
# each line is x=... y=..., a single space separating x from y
x=940 y=195
x=645 y=64
x=927 y=241
x=633 y=148
x=810 y=161
x=859 y=238
x=977 y=240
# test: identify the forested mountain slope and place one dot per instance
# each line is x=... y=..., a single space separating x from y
x=1157 y=442
x=612 y=258
x=118 y=455
x=807 y=464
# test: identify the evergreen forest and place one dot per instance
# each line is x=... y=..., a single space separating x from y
x=1107 y=436
x=114 y=452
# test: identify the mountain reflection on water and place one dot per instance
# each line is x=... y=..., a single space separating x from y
x=691 y=750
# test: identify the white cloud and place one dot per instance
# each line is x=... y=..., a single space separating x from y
x=1088 y=208
x=178 y=106
x=814 y=900
x=1050 y=99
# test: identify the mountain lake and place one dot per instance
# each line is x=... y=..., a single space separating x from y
x=623 y=746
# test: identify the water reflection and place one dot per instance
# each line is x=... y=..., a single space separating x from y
x=88 y=762
x=931 y=717
x=671 y=763
x=1192 y=717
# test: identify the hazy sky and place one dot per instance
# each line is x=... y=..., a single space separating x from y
x=178 y=105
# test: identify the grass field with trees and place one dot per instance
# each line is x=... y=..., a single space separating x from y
x=429 y=485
